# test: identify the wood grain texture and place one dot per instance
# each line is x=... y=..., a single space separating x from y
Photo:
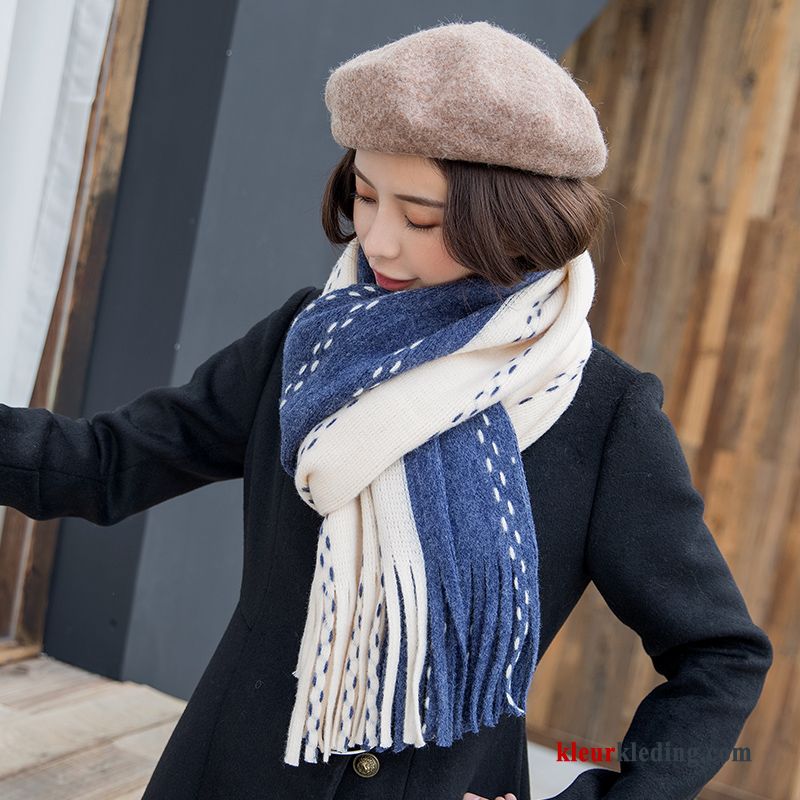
x=68 y=733
x=699 y=282
x=27 y=547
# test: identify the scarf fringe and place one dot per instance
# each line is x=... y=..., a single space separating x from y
x=406 y=601
x=362 y=694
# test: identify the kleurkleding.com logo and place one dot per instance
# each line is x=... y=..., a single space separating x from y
x=661 y=751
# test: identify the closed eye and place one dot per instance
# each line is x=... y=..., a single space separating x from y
x=409 y=224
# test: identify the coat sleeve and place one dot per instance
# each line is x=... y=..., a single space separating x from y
x=166 y=442
x=658 y=567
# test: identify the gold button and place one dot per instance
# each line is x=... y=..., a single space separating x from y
x=366 y=765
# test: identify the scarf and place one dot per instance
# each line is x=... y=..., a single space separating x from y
x=403 y=418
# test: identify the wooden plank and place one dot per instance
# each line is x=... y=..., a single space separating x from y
x=98 y=773
x=65 y=732
x=108 y=712
x=699 y=282
x=148 y=742
x=33 y=684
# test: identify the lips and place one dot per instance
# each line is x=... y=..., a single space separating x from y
x=389 y=283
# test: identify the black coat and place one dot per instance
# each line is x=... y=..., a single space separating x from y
x=614 y=504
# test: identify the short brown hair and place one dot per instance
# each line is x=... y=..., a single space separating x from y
x=499 y=222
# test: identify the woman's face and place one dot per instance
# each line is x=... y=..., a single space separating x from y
x=400 y=236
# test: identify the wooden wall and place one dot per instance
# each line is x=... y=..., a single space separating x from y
x=699 y=282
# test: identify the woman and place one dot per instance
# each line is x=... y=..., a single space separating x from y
x=437 y=459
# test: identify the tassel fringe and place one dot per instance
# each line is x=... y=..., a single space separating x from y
x=375 y=680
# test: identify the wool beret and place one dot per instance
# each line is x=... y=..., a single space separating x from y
x=467 y=91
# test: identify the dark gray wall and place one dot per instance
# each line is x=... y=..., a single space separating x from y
x=257 y=239
x=150 y=260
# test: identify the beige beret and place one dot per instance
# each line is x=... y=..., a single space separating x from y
x=467 y=91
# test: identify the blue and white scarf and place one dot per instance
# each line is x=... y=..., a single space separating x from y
x=403 y=418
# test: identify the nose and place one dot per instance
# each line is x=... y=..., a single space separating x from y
x=381 y=242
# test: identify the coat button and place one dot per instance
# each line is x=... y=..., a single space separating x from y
x=366 y=765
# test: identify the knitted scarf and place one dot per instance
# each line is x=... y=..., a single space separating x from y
x=403 y=417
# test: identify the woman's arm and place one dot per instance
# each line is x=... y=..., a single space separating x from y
x=164 y=443
x=659 y=569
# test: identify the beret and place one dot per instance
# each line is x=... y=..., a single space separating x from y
x=467 y=91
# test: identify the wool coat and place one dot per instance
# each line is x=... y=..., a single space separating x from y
x=613 y=503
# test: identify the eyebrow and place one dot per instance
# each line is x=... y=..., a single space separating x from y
x=422 y=201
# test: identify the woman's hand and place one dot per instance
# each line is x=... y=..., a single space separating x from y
x=471 y=796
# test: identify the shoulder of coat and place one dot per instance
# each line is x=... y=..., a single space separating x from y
x=608 y=372
x=313 y=293
x=605 y=356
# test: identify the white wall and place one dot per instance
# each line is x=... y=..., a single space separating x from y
x=50 y=55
